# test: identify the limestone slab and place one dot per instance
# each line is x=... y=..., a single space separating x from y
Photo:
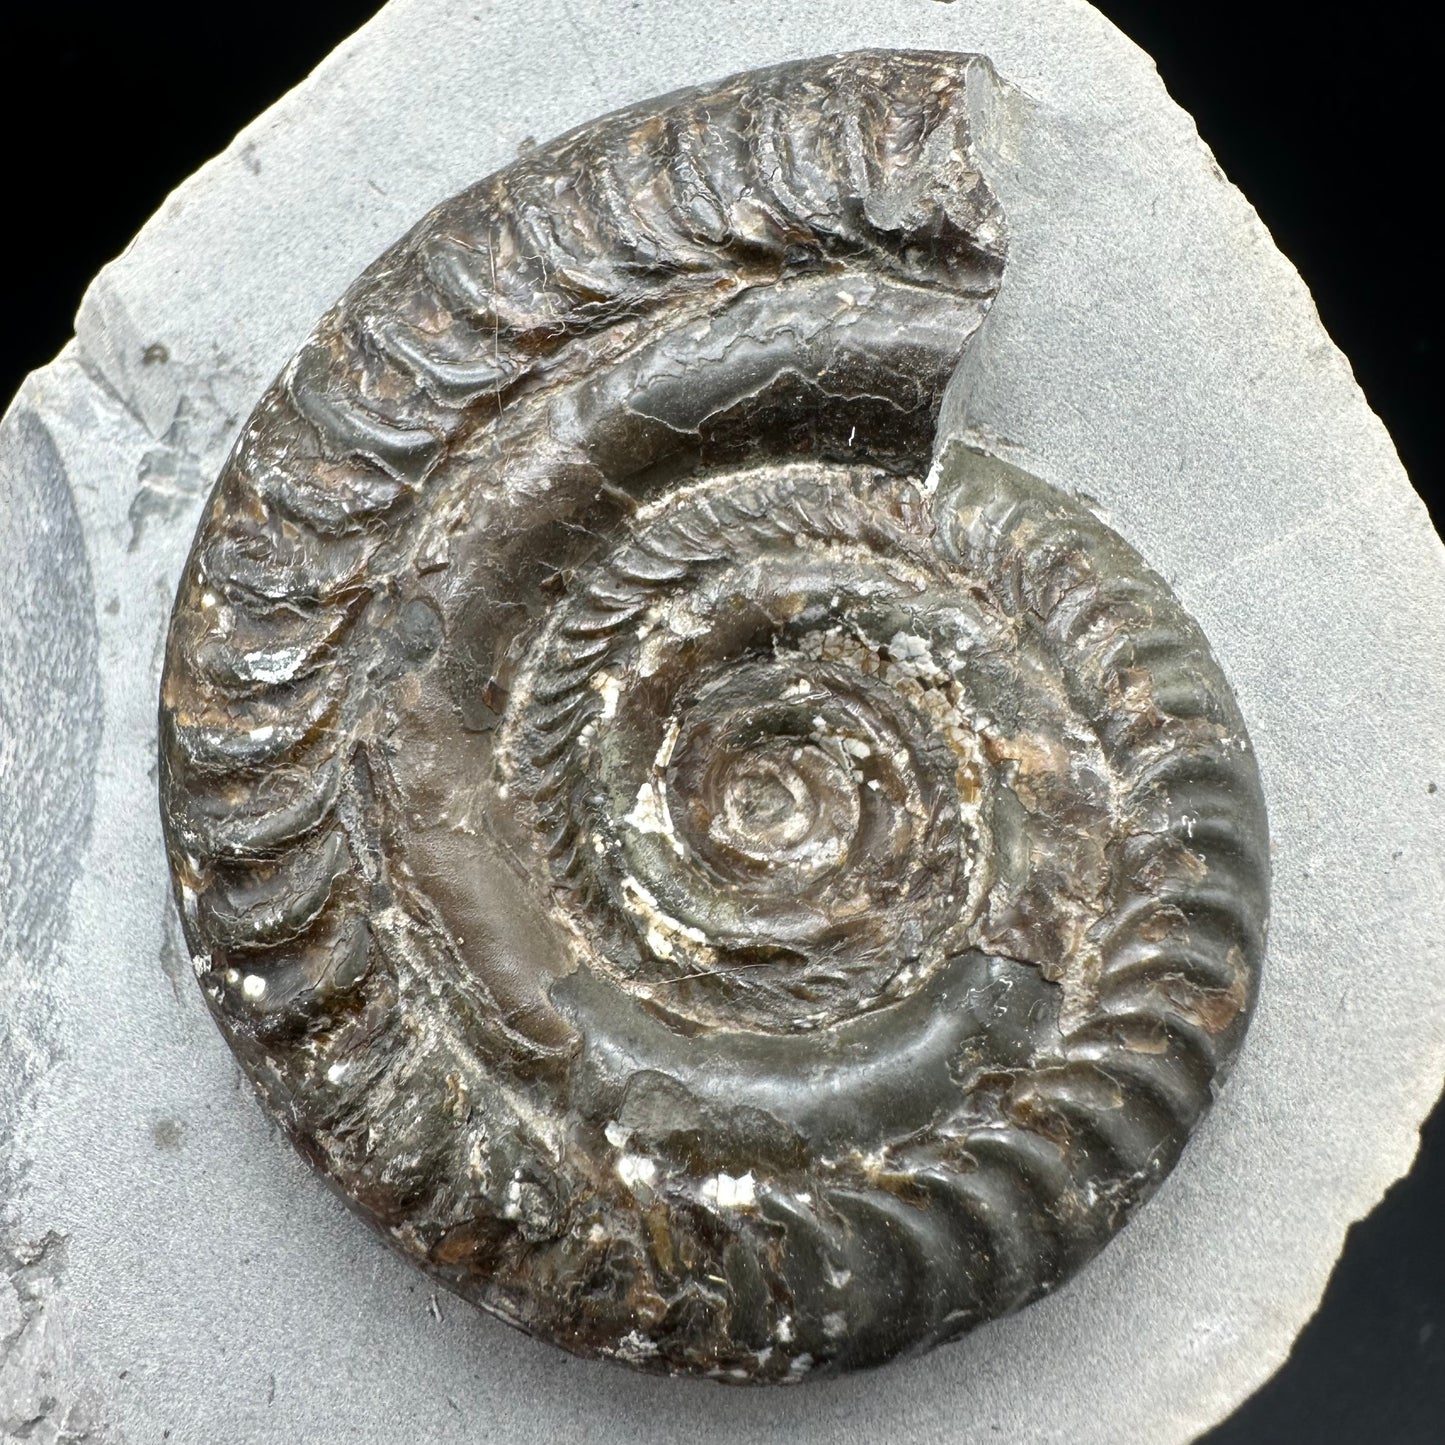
x=173 y=1266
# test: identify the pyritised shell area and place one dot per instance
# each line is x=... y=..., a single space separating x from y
x=718 y=880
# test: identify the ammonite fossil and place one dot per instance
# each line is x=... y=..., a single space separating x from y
x=722 y=881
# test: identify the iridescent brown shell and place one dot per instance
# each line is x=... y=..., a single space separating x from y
x=720 y=881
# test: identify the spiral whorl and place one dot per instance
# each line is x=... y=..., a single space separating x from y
x=719 y=880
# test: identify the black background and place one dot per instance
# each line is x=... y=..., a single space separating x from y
x=1325 y=115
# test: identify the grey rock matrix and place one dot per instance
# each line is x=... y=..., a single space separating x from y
x=1150 y=350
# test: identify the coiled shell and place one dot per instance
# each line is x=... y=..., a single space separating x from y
x=721 y=885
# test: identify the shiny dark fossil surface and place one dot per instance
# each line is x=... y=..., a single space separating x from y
x=721 y=881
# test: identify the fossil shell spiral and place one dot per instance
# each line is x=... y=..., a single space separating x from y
x=721 y=881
